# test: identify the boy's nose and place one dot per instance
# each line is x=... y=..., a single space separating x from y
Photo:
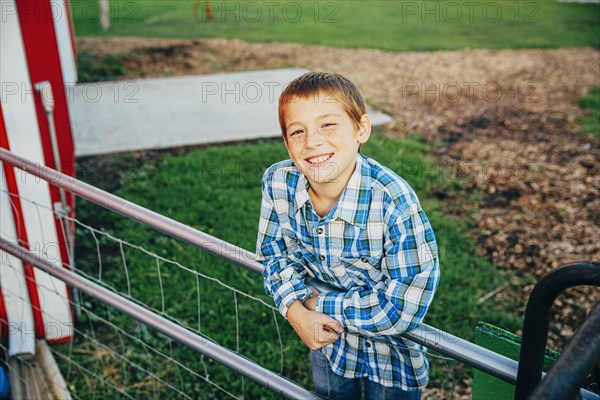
x=313 y=138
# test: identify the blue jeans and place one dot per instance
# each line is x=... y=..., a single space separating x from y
x=332 y=386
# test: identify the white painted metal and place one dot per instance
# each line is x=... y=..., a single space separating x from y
x=21 y=328
x=63 y=39
x=22 y=128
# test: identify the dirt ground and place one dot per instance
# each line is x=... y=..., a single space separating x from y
x=505 y=121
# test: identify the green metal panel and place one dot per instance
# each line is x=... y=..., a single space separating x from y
x=486 y=387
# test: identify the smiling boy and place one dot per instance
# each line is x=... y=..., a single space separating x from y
x=342 y=218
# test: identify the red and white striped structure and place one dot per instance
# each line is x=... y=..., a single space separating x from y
x=36 y=46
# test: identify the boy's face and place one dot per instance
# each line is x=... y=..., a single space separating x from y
x=322 y=139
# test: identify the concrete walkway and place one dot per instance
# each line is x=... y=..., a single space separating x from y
x=111 y=117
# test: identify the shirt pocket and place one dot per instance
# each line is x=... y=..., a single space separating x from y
x=364 y=270
x=299 y=252
x=291 y=245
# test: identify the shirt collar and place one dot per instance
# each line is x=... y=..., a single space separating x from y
x=353 y=204
x=301 y=193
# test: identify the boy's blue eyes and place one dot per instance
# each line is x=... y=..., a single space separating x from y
x=299 y=131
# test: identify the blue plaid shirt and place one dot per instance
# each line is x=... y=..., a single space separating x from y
x=376 y=246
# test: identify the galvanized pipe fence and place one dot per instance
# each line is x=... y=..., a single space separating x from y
x=220 y=354
x=442 y=342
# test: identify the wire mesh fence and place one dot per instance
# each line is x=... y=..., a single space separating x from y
x=114 y=355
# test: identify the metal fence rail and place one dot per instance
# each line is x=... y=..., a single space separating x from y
x=226 y=357
x=443 y=342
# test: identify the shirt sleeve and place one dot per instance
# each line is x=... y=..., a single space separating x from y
x=399 y=302
x=283 y=279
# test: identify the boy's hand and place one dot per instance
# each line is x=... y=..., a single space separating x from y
x=315 y=329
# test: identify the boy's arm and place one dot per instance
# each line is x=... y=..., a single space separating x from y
x=400 y=301
x=286 y=285
x=281 y=280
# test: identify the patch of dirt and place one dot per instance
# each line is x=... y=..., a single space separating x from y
x=506 y=124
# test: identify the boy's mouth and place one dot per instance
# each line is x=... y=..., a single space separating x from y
x=319 y=159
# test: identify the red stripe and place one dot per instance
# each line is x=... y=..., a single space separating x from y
x=70 y=196
x=43 y=60
x=3 y=319
x=41 y=48
x=3 y=315
x=17 y=212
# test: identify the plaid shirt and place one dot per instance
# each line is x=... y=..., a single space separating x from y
x=376 y=246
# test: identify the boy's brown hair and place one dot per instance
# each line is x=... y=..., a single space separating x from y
x=335 y=85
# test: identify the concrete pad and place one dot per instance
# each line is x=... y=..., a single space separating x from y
x=111 y=117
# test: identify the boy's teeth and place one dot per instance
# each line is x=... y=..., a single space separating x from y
x=319 y=159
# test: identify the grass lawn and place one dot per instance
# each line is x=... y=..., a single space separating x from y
x=217 y=190
x=383 y=24
x=591 y=122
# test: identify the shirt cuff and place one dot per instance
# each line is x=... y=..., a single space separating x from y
x=332 y=304
x=301 y=294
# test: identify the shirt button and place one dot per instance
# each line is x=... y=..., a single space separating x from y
x=364 y=259
x=298 y=241
x=368 y=344
x=322 y=258
x=332 y=279
x=320 y=231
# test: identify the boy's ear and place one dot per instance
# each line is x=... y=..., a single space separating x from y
x=364 y=129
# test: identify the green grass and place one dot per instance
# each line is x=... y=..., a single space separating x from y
x=591 y=122
x=217 y=190
x=383 y=24
x=94 y=68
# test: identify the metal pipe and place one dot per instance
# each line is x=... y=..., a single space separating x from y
x=128 y=209
x=461 y=350
x=44 y=88
x=443 y=342
x=449 y=345
x=537 y=320
x=469 y=353
x=579 y=357
x=222 y=355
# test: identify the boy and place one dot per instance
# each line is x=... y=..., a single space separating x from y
x=345 y=220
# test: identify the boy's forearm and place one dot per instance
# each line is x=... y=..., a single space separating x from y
x=298 y=309
x=351 y=308
x=283 y=282
x=295 y=310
